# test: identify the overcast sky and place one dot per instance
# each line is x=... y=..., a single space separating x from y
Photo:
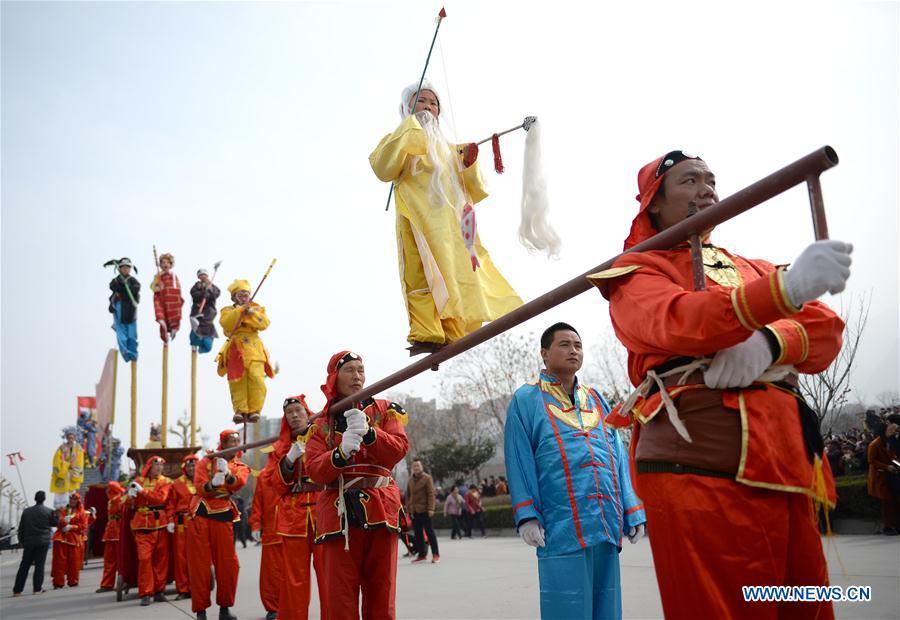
x=241 y=131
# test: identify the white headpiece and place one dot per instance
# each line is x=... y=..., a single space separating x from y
x=410 y=91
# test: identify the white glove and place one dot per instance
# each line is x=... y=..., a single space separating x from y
x=823 y=267
x=356 y=420
x=68 y=518
x=170 y=527
x=93 y=511
x=636 y=533
x=221 y=464
x=350 y=442
x=740 y=365
x=532 y=533
x=296 y=451
x=256 y=535
x=219 y=479
x=136 y=487
x=68 y=527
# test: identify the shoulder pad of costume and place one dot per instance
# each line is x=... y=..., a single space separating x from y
x=367 y=402
x=267 y=449
x=613 y=272
x=394 y=406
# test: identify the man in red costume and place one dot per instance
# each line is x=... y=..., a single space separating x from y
x=152 y=524
x=116 y=496
x=68 y=548
x=357 y=515
x=210 y=531
x=296 y=516
x=183 y=492
x=728 y=456
x=266 y=496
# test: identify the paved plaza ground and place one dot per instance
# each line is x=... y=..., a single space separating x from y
x=495 y=577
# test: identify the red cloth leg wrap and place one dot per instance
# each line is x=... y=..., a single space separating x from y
x=293 y=603
x=710 y=536
x=58 y=566
x=225 y=560
x=199 y=562
x=73 y=563
x=370 y=566
x=110 y=548
x=182 y=580
x=271 y=567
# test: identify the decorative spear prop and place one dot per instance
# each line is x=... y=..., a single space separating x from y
x=495 y=141
x=441 y=15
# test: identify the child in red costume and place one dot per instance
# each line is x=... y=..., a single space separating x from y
x=68 y=548
x=115 y=492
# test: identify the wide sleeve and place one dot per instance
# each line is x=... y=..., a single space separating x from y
x=811 y=339
x=256 y=508
x=228 y=318
x=239 y=474
x=474 y=183
x=521 y=468
x=654 y=315
x=389 y=157
x=197 y=293
x=322 y=464
x=388 y=443
x=202 y=479
x=258 y=320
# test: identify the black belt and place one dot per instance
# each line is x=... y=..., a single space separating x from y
x=664 y=467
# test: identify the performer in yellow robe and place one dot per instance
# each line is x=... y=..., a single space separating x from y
x=243 y=358
x=68 y=469
x=450 y=283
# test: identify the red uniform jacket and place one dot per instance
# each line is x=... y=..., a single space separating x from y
x=383 y=447
x=183 y=492
x=113 y=518
x=265 y=505
x=658 y=316
x=297 y=504
x=215 y=502
x=79 y=523
x=152 y=509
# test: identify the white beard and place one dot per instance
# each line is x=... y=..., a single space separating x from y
x=445 y=185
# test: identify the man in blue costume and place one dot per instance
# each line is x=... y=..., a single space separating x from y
x=570 y=484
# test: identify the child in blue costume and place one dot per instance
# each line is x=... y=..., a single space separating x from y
x=126 y=294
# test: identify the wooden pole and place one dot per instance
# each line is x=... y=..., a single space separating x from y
x=134 y=403
x=193 y=397
x=165 y=395
x=256 y=454
x=112 y=415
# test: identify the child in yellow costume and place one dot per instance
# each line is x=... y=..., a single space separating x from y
x=68 y=469
x=243 y=357
x=450 y=282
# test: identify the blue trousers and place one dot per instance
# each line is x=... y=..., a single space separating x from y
x=126 y=334
x=204 y=345
x=582 y=584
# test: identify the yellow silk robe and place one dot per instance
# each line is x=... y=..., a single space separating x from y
x=246 y=337
x=68 y=470
x=445 y=298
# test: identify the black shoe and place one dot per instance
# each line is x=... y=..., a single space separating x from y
x=272 y=615
x=99 y=590
x=890 y=531
x=182 y=595
x=159 y=597
x=224 y=614
x=201 y=615
x=146 y=601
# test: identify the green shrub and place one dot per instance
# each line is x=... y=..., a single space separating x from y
x=854 y=500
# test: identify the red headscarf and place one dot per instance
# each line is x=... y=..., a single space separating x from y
x=650 y=178
x=285 y=436
x=334 y=364
x=77 y=496
x=145 y=470
x=114 y=490
x=188 y=459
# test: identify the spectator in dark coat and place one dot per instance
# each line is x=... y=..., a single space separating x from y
x=34 y=536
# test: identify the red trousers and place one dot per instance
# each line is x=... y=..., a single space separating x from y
x=271 y=571
x=110 y=548
x=153 y=560
x=293 y=603
x=710 y=536
x=67 y=560
x=179 y=543
x=370 y=567
x=212 y=544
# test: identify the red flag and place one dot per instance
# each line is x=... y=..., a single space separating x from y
x=12 y=459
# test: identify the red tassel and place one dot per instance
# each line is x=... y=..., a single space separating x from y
x=498 y=161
